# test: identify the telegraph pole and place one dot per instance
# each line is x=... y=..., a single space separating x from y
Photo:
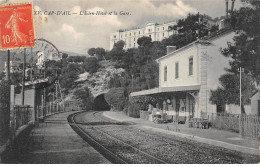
x=132 y=82
x=31 y=77
x=44 y=91
x=240 y=70
x=23 y=82
x=8 y=66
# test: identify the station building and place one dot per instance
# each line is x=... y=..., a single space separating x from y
x=187 y=75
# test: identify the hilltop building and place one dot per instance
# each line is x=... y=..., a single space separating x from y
x=156 y=31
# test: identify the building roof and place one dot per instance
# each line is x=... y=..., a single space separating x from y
x=204 y=41
x=165 y=89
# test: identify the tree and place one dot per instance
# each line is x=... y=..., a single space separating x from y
x=143 y=41
x=229 y=92
x=100 y=53
x=118 y=52
x=90 y=64
x=64 y=55
x=189 y=29
x=117 y=98
x=92 y=51
x=69 y=74
x=245 y=51
x=85 y=96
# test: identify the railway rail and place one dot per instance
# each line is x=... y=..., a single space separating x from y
x=114 y=149
x=125 y=142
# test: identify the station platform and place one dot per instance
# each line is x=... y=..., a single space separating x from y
x=55 y=142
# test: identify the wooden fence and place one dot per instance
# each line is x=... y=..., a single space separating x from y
x=228 y=122
x=246 y=125
x=249 y=126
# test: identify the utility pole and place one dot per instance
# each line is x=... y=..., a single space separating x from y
x=44 y=91
x=132 y=82
x=8 y=66
x=240 y=70
x=31 y=78
x=23 y=82
x=226 y=9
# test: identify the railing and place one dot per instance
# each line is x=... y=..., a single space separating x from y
x=23 y=115
x=50 y=108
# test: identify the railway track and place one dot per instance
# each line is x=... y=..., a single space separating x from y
x=111 y=147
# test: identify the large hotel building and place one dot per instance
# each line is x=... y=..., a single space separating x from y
x=156 y=31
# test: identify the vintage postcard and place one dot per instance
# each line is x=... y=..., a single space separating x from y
x=129 y=82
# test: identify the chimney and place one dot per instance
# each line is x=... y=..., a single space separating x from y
x=226 y=9
x=170 y=49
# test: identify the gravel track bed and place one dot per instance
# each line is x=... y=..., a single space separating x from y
x=125 y=152
x=169 y=148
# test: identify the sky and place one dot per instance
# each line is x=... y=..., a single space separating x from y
x=77 y=33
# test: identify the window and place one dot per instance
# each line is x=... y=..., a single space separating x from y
x=191 y=66
x=149 y=30
x=130 y=34
x=163 y=28
x=150 y=36
x=114 y=36
x=158 y=29
x=177 y=70
x=139 y=32
x=165 y=73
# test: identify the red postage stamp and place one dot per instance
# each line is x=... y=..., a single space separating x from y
x=16 y=26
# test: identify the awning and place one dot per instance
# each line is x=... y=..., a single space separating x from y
x=180 y=88
x=145 y=92
x=165 y=89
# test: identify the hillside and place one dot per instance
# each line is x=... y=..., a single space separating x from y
x=98 y=81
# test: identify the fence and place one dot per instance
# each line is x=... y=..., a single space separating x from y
x=246 y=125
x=250 y=126
x=22 y=115
x=228 y=122
x=50 y=108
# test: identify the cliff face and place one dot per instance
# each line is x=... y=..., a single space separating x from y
x=97 y=82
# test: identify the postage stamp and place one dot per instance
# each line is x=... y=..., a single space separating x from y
x=16 y=26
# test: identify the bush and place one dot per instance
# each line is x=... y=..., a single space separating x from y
x=90 y=65
x=116 y=97
x=133 y=111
